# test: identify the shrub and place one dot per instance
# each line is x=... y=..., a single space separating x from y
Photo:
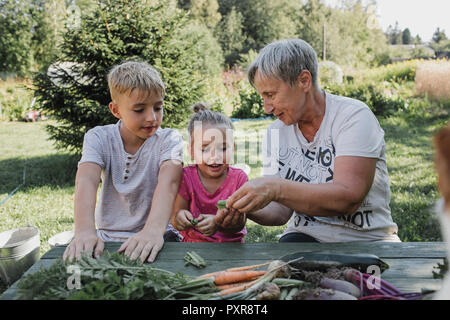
x=15 y=99
x=376 y=95
x=116 y=31
x=250 y=104
x=330 y=73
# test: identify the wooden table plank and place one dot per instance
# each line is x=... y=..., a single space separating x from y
x=261 y=251
x=411 y=264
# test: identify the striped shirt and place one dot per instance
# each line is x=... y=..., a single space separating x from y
x=128 y=180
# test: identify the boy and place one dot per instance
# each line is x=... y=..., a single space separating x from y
x=139 y=165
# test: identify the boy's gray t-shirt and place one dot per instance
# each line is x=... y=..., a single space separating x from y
x=349 y=128
x=128 y=180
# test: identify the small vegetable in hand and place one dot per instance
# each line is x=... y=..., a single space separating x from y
x=193 y=258
x=222 y=204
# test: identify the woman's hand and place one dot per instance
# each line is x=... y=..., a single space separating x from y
x=253 y=195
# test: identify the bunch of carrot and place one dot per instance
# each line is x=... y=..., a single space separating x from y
x=234 y=280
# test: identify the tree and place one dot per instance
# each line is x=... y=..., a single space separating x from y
x=439 y=35
x=76 y=94
x=230 y=35
x=394 y=34
x=204 y=11
x=406 y=37
x=15 y=37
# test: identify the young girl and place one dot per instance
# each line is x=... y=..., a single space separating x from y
x=209 y=180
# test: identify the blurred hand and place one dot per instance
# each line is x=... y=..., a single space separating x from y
x=142 y=245
x=207 y=225
x=230 y=220
x=86 y=241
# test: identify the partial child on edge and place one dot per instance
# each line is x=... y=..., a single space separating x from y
x=139 y=165
x=209 y=180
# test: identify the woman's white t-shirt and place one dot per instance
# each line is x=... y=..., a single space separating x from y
x=349 y=128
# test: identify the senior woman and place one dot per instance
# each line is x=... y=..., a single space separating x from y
x=324 y=165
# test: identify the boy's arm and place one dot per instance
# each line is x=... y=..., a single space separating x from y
x=86 y=185
x=150 y=239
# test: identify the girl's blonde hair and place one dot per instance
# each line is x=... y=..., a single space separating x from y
x=130 y=75
x=204 y=115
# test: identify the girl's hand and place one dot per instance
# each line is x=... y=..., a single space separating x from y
x=182 y=220
x=207 y=225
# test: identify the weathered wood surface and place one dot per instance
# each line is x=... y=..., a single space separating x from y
x=411 y=263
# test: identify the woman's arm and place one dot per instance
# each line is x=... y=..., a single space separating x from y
x=352 y=180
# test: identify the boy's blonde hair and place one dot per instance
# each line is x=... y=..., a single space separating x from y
x=130 y=75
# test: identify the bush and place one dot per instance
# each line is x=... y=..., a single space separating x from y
x=116 y=31
x=330 y=73
x=377 y=96
x=250 y=104
x=15 y=99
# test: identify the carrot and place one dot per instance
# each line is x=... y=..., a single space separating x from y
x=236 y=289
x=235 y=284
x=244 y=268
x=236 y=276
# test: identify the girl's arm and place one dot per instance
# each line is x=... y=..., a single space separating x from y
x=86 y=184
x=148 y=241
x=181 y=214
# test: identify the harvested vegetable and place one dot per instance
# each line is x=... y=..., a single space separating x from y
x=340 y=285
x=268 y=291
x=111 y=276
x=222 y=204
x=323 y=294
x=225 y=277
x=322 y=261
x=195 y=259
x=194 y=221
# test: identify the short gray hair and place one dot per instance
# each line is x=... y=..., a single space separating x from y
x=284 y=60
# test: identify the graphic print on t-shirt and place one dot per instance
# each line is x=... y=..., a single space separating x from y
x=313 y=165
x=316 y=165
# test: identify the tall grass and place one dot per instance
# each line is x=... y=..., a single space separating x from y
x=433 y=79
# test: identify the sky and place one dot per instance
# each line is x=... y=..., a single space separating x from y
x=422 y=17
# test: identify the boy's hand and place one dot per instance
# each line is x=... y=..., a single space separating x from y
x=183 y=220
x=142 y=245
x=84 y=241
x=207 y=226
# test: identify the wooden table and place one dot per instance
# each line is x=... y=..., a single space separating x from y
x=411 y=263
